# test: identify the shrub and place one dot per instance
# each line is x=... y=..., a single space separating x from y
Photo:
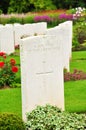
x=66 y=17
x=1 y=11
x=79 y=33
x=28 y=19
x=8 y=70
x=52 y=118
x=43 y=18
x=10 y=121
x=81 y=47
x=52 y=20
x=76 y=75
x=14 y=20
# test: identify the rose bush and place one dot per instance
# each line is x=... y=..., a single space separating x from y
x=8 y=70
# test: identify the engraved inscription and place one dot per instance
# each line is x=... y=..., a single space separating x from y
x=48 y=72
x=44 y=47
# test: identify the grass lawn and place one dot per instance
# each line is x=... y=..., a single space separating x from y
x=75 y=96
x=78 y=61
x=75 y=91
x=10 y=100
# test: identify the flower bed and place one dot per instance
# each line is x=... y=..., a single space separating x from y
x=76 y=75
x=8 y=70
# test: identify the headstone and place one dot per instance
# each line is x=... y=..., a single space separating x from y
x=41 y=72
x=28 y=30
x=39 y=28
x=35 y=28
x=69 y=33
x=6 y=39
x=64 y=34
x=18 y=32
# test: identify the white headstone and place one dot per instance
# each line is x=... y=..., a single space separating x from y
x=28 y=30
x=35 y=28
x=39 y=28
x=7 y=39
x=18 y=32
x=64 y=34
x=41 y=72
x=69 y=33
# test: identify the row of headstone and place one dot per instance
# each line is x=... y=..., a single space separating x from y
x=43 y=59
x=29 y=30
x=10 y=34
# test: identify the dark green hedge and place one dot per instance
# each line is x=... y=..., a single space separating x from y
x=10 y=121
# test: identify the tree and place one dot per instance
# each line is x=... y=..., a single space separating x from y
x=4 y=4
x=67 y=4
x=19 y=6
x=43 y=4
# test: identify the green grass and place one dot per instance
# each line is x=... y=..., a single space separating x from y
x=10 y=100
x=75 y=96
x=75 y=91
x=78 y=61
x=79 y=55
x=78 y=64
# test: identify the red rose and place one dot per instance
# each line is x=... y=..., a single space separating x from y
x=12 y=61
x=14 y=69
x=2 y=53
x=1 y=64
x=4 y=56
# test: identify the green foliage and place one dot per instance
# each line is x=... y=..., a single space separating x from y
x=18 y=6
x=15 y=85
x=26 y=5
x=51 y=118
x=79 y=33
x=14 y=20
x=68 y=4
x=28 y=19
x=1 y=11
x=71 y=11
x=4 y=4
x=10 y=121
x=81 y=47
x=81 y=3
x=23 y=6
x=3 y=20
x=43 y=5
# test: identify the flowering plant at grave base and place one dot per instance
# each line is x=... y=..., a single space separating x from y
x=17 y=46
x=8 y=70
x=75 y=75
